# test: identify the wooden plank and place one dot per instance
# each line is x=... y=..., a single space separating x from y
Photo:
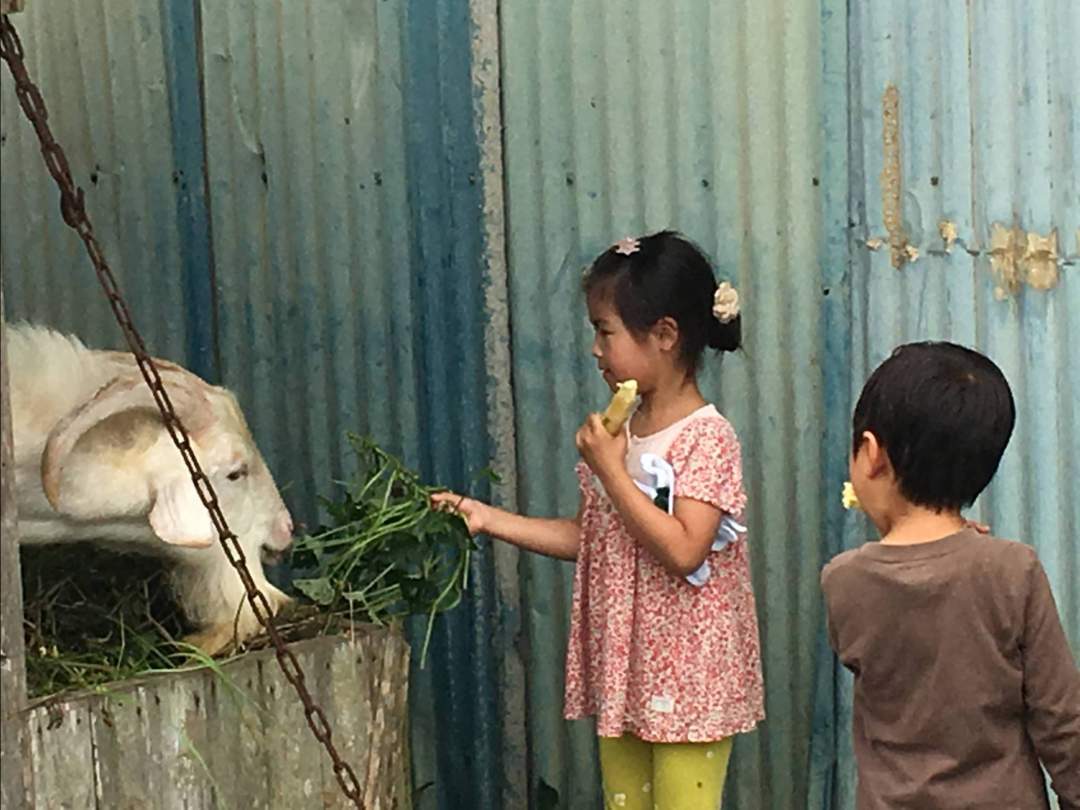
x=235 y=730
x=295 y=761
x=62 y=750
x=234 y=740
x=352 y=711
x=14 y=744
x=121 y=750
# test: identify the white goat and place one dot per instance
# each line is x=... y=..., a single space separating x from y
x=93 y=461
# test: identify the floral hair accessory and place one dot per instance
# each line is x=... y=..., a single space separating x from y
x=628 y=246
x=725 y=303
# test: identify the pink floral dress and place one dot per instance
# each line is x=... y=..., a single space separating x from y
x=650 y=653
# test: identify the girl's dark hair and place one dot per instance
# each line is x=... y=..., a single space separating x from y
x=668 y=277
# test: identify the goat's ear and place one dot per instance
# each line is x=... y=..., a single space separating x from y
x=179 y=518
x=186 y=391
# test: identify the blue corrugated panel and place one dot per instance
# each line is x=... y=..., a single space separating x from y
x=623 y=118
x=105 y=80
x=988 y=133
x=347 y=225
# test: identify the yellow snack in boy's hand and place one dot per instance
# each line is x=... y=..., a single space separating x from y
x=618 y=410
x=851 y=500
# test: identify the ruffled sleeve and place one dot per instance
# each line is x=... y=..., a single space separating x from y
x=707 y=461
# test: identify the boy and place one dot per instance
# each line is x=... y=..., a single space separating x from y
x=963 y=676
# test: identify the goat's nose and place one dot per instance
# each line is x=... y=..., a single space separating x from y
x=283 y=529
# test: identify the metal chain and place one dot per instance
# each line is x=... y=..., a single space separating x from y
x=74 y=212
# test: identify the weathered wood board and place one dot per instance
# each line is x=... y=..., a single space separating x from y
x=15 y=790
x=234 y=740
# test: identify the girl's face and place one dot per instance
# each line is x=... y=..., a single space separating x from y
x=619 y=354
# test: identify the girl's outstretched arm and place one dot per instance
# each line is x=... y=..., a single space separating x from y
x=554 y=537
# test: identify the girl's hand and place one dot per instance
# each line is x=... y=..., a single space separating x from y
x=981 y=528
x=475 y=513
x=604 y=453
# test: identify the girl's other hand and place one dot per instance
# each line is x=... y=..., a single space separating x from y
x=981 y=528
x=475 y=513
x=603 y=452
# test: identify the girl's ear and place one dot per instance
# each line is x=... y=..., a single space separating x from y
x=666 y=333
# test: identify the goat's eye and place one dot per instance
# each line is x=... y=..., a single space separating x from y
x=237 y=474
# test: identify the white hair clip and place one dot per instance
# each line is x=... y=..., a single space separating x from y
x=628 y=246
x=725 y=306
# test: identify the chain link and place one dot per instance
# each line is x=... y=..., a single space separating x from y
x=73 y=210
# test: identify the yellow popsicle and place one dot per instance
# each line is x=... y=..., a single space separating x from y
x=618 y=410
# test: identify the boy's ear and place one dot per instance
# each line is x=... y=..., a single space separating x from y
x=877 y=459
x=666 y=332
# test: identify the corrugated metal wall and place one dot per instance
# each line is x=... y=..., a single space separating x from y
x=624 y=118
x=106 y=77
x=297 y=183
x=311 y=228
x=989 y=133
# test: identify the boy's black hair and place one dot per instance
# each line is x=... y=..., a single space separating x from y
x=668 y=277
x=944 y=415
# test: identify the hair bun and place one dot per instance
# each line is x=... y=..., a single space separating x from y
x=726 y=337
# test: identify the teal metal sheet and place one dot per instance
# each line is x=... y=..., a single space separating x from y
x=112 y=105
x=624 y=118
x=988 y=132
x=311 y=230
x=347 y=241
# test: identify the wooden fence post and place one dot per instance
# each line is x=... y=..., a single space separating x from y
x=15 y=780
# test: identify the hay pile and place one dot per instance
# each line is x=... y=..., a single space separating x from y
x=93 y=616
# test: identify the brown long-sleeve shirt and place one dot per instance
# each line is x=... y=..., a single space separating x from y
x=963 y=676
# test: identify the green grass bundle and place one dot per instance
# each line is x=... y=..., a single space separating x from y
x=385 y=553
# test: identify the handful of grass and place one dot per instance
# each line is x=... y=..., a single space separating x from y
x=386 y=553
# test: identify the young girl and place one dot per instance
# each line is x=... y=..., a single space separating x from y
x=663 y=646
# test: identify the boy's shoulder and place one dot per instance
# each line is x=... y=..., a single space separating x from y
x=839 y=566
x=995 y=556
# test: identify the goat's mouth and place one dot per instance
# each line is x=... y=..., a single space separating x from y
x=274 y=556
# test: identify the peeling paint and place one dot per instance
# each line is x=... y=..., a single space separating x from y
x=1018 y=257
x=1004 y=259
x=1041 y=261
x=891 y=176
x=947 y=229
x=875 y=243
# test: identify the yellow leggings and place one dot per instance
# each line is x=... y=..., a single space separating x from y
x=640 y=775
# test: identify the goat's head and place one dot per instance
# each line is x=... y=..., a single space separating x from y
x=113 y=458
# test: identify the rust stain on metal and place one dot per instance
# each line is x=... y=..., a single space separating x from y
x=947 y=228
x=1019 y=257
x=1040 y=261
x=1005 y=254
x=891 y=177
